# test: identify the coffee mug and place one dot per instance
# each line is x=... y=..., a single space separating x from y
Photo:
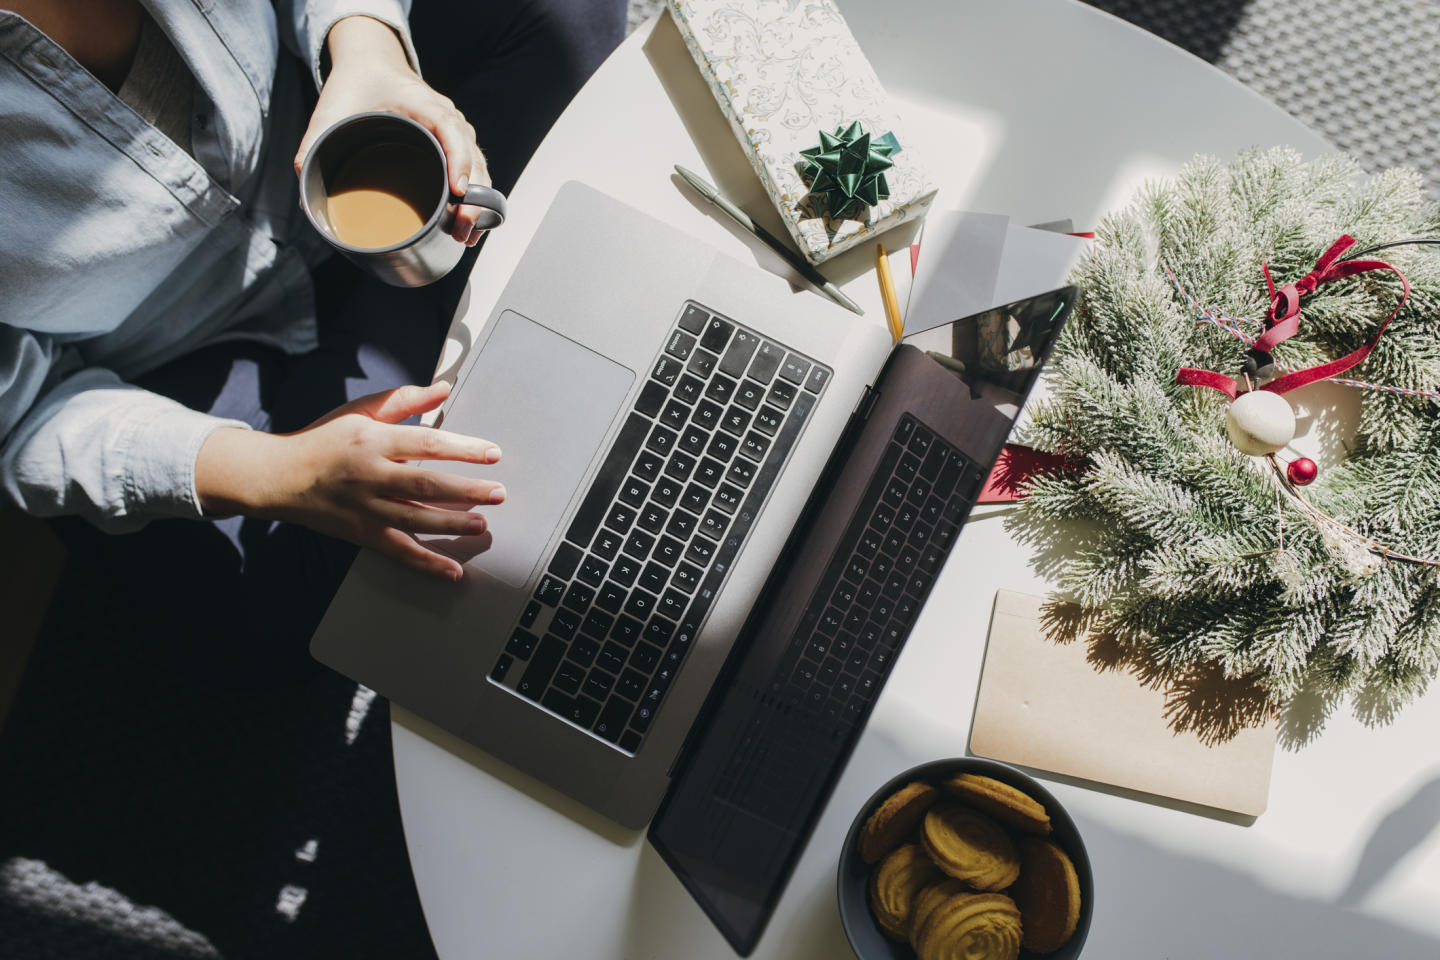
x=375 y=186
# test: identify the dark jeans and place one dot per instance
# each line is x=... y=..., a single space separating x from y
x=249 y=592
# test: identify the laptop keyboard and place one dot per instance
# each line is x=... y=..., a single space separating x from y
x=855 y=623
x=624 y=595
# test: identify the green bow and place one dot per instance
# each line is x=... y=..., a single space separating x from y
x=848 y=169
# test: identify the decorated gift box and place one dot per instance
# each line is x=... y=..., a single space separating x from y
x=811 y=115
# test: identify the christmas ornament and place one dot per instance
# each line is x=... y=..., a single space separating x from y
x=1302 y=472
x=1171 y=540
x=848 y=169
x=1260 y=422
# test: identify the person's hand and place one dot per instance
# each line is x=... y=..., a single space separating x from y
x=347 y=475
x=369 y=72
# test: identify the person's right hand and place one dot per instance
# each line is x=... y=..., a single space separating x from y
x=347 y=475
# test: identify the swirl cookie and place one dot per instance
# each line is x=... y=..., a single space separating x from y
x=970 y=846
x=1001 y=801
x=971 y=926
x=893 y=820
x=894 y=884
x=930 y=898
x=1048 y=894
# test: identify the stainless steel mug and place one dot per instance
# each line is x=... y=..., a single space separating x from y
x=429 y=253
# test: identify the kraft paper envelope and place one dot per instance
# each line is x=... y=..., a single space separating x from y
x=1045 y=705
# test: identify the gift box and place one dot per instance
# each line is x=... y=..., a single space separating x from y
x=812 y=117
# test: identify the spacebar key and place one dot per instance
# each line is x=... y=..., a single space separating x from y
x=607 y=480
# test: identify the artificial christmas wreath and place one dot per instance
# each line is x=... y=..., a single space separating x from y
x=1167 y=535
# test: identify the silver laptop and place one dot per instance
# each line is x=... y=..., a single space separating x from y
x=664 y=412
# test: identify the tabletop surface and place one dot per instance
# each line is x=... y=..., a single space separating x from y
x=1039 y=109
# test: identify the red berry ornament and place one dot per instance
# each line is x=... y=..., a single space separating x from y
x=1302 y=471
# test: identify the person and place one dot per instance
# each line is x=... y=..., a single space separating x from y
x=180 y=365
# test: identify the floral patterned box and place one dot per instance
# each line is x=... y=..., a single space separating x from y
x=783 y=71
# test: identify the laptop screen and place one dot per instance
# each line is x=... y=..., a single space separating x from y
x=785 y=714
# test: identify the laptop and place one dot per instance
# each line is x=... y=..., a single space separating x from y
x=726 y=502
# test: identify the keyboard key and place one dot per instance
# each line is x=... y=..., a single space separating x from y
x=658 y=630
x=565 y=622
x=592 y=570
x=795 y=368
x=672 y=605
x=768 y=420
x=542 y=665
x=905 y=429
x=632 y=683
x=707 y=414
x=532 y=610
x=583 y=650
x=737 y=355
x=568 y=677
x=908 y=466
x=648 y=465
x=741 y=472
x=610 y=596
x=598 y=684
x=612 y=657
x=687 y=577
x=640 y=605
x=567 y=558
x=755 y=446
x=920 y=440
x=934 y=461
x=638 y=544
x=666 y=370
x=581 y=710
x=728 y=497
x=721 y=389
x=522 y=644
x=702 y=364
x=579 y=597
x=869 y=544
x=716 y=335
x=626 y=630
x=652 y=518
x=767 y=361
x=666 y=492
x=749 y=394
x=655 y=577
x=782 y=394
x=680 y=345
x=949 y=475
x=550 y=591
x=644 y=658
x=611 y=722
x=669 y=550
x=675 y=415
x=695 y=498
x=661 y=440
x=634 y=491
x=630 y=741
x=624 y=572
x=693 y=319
x=597 y=625
x=700 y=551
x=735 y=420
x=819 y=376
x=692 y=440
x=620 y=518
x=689 y=389
x=919 y=490
x=681 y=525
x=502 y=667
x=679 y=466
x=709 y=471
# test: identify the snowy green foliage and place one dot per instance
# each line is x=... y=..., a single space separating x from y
x=1168 y=537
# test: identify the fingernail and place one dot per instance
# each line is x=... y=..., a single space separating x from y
x=463 y=185
x=457 y=574
x=497 y=495
x=493 y=456
x=476 y=525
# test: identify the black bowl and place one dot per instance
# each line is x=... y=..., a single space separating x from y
x=854 y=874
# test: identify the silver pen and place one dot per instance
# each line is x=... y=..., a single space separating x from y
x=801 y=265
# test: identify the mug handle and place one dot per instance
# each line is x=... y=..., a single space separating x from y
x=491 y=202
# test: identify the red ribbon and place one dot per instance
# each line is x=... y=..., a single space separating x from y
x=1283 y=321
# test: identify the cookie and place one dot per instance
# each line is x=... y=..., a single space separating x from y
x=971 y=926
x=1001 y=801
x=894 y=884
x=930 y=898
x=893 y=820
x=970 y=846
x=1048 y=894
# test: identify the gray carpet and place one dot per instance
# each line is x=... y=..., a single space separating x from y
x=152 y=808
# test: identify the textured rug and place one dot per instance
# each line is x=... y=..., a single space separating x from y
x=154 y=808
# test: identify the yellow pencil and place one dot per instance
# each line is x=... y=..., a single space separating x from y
x=887 y=292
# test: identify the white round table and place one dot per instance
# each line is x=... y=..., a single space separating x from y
x=1039 y=109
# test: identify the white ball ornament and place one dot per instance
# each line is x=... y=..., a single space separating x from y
x=1260 y=422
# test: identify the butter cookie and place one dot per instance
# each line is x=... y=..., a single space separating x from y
x=894 y=884
x=970 y=846
x=1048 y=894
x=1001 y=801
x=894 y=819
x=971 y=926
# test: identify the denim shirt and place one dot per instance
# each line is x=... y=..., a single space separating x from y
x=119 y=251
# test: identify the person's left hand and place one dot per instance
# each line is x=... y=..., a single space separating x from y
x=369 y=71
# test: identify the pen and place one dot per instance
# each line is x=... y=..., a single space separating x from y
x=794 y=259
x=887 y=292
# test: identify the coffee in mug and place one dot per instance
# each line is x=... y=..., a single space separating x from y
x=375 y=186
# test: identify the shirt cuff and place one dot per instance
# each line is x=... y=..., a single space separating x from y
x=313 y=21
x=159 y=463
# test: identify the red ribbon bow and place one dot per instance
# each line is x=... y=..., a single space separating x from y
x=1283 y=321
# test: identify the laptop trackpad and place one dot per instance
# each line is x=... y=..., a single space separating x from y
x=548 y=402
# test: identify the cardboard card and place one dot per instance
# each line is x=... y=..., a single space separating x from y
x=1088 y=711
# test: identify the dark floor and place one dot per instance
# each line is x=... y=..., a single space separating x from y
x=151 y=807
